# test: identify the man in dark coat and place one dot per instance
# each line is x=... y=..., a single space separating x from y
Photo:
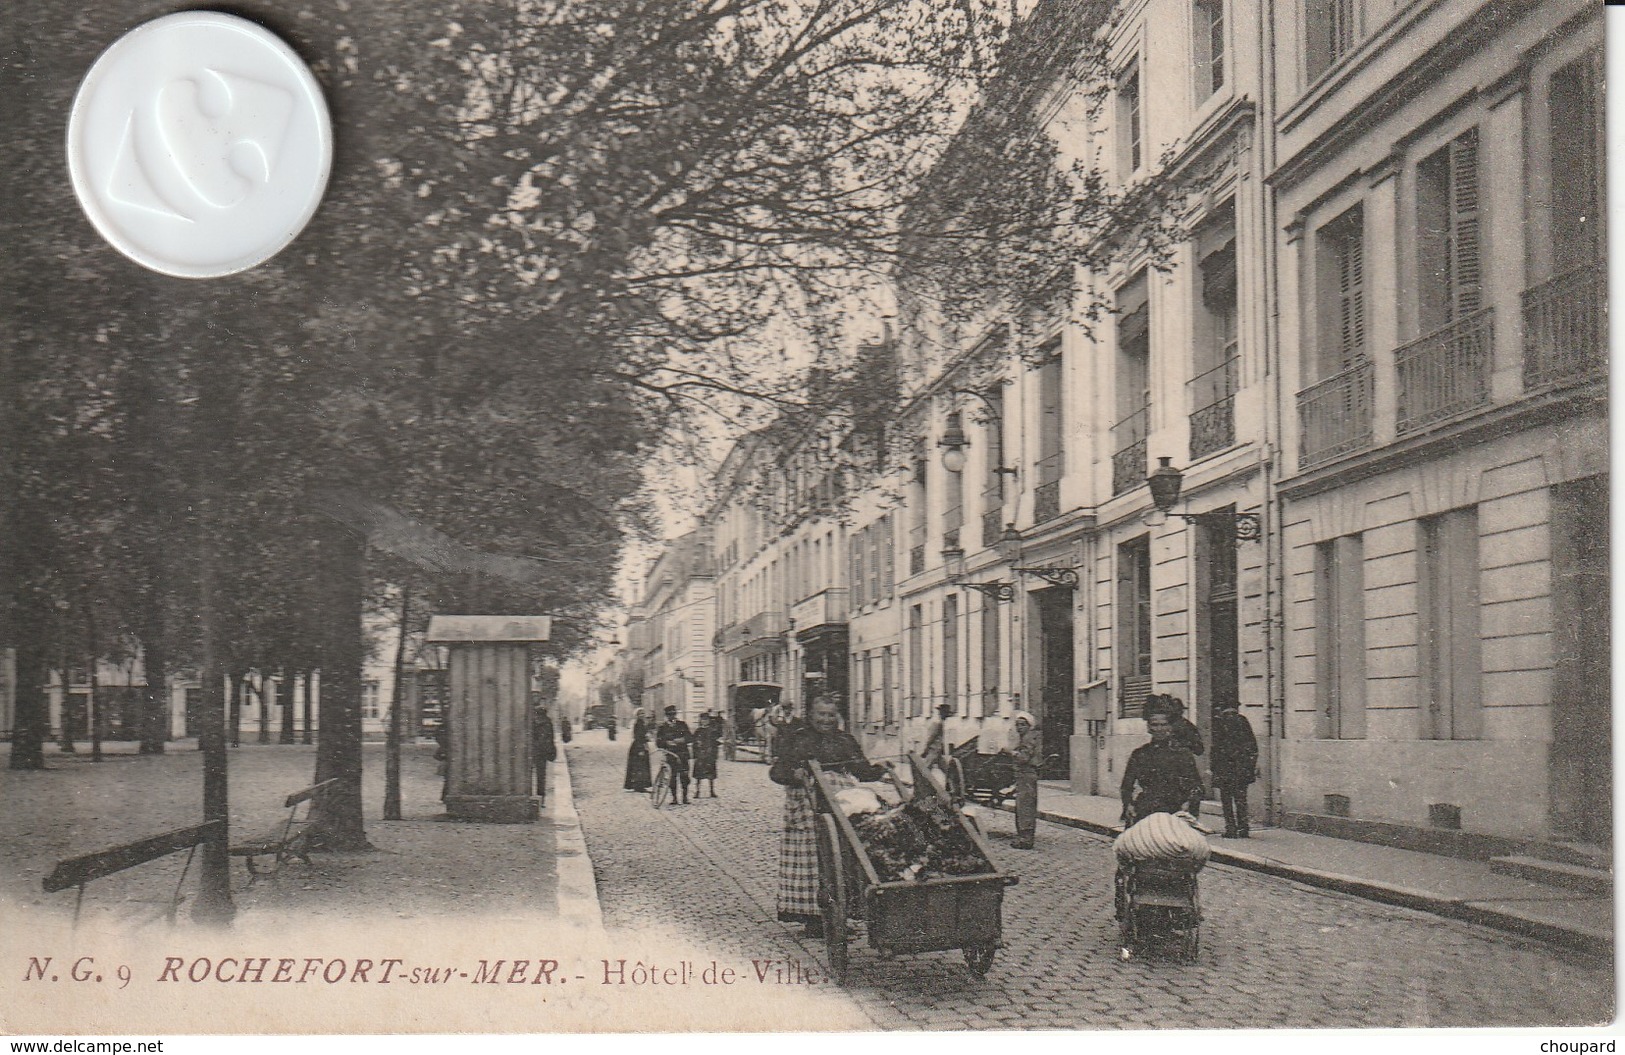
x=1235 y=765
x=674 y=735
x=1161 y=777
x=543 y=748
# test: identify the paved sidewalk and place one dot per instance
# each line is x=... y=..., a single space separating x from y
x=1447 y=886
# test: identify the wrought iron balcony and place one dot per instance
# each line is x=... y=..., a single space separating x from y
x=1213 y=406
x=1446 y=373
x=1128 y=451
x=1335 y=415
x=1565 y=334
x=992 y=515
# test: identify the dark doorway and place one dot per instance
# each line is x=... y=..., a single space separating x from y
x=1581 y=766
x=1055 y=679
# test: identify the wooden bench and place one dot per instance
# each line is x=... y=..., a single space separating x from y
x=291 y=838
x=77 y=871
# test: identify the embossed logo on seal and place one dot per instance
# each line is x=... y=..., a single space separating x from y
x=199 y=145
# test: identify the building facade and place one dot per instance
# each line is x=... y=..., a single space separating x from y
x=1318 y=458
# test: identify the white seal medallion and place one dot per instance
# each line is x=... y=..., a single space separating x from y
x=199 y=144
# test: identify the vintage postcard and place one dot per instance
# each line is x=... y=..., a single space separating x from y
x=785 y=516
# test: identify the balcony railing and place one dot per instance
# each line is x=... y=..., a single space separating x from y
x=1446 y=373
x=1213 y=406
x=1335 y=415
x=1564 y=332
x=916 y=560
x=992 y=515
x=1128 y=451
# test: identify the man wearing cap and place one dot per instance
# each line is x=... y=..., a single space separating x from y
x=674 y=735
x=1029 y=756
x=543 y=748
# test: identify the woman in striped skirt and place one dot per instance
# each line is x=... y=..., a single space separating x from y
x=840 y=756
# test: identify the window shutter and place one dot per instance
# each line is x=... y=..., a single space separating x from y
x=1351 y=298
x=1467 y=292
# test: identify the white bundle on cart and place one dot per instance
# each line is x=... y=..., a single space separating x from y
x=1163 y=837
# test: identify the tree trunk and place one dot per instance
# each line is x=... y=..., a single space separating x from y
x=285 y=705
x=32 y=724
x=265 y=712
x=306 y=737
x=93 y=709
x=235 y=719
x=65 y=712
x=392 y=758
x=339 y=824
x=155 y=698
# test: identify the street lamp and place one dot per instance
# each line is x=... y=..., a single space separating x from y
x=954 y=441
x=1165 y=483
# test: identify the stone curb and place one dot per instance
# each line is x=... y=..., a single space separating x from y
x=1583 y=939
x=577 y=886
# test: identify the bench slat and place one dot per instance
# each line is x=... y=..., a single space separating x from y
x=83 y=869
x=311 y=792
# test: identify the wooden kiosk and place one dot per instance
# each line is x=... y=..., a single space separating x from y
x=488 y=757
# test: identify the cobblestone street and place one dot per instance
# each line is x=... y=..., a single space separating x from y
x=1274 y=953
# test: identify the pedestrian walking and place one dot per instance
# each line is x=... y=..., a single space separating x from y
x=1161 y=777
x=730 y=741
x=543 y=748
x=833 y=748
x=707 y=741
x=1235 y=765
x=565 y=732
x=1029 y=756
x=674 y=735
x=637 y=755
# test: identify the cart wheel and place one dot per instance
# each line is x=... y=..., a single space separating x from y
x=660 y=789
x=979 y=958
x=834 y=899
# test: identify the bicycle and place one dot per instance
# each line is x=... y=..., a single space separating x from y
x=660 y=790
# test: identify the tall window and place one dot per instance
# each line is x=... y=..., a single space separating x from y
x=990 y=655
x=950 y=652
x=1051 y=434
x=953 y=498
x=1340 y=288
x=1447 y=234
x=1208 y=22
x=1340 y=638
x=1332 y=27
x=369 y=699
x=1133 y=386
x=1130 y=131
x=1132 y=651
x=1448 y=584
x=1214 y=373
x=888 y=678
x=1576 y=161
x=916 y=659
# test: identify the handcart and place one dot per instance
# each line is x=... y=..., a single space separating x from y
x=933 y=914
x=1158 y=902
x=972 y=776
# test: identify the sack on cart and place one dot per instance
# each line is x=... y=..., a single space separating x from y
x=1163 y=837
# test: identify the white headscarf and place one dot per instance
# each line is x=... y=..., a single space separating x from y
x=1024 y=714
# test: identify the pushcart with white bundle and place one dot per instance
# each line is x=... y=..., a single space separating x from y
x=1158 y=900
x=915 y=873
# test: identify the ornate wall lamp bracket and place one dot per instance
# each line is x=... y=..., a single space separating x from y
x=998 y=591
x=1064 y=577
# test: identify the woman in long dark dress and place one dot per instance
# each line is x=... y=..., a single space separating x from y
x=638 y=777
x=707 y=739
x=844 y=763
